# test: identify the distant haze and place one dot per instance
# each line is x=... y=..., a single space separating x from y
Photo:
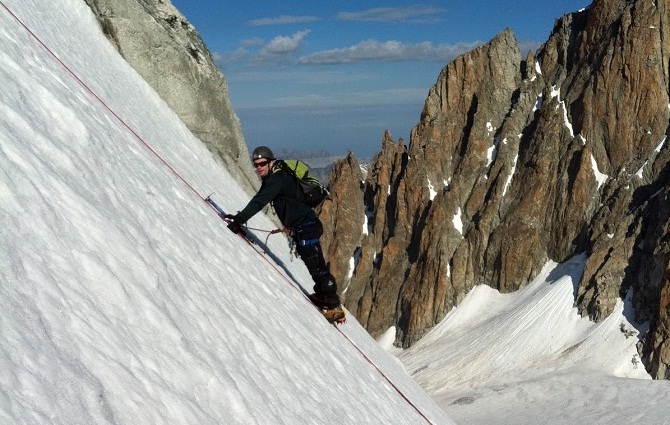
x=336 y=130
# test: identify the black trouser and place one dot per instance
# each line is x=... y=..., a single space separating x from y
x=309 y=248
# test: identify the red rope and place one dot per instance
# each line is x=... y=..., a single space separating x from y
x=386 y=378
x=294 y=284
x=173 y=171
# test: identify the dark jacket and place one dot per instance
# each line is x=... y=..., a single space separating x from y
x=282 y=190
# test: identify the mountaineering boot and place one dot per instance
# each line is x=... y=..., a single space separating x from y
x=334 y=315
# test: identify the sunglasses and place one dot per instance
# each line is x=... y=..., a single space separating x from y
x=261 y=164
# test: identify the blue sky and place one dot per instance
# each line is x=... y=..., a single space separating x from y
x=334 y=75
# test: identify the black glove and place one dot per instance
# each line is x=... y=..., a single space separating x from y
x=234 y=224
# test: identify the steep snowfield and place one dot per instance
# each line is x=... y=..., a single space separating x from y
x=123 y=297
x=528 y=358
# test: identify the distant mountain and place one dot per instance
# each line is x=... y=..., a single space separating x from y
x=320 y=162
x=315 y=159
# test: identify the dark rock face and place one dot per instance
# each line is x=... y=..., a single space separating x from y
x=158 y=41
x=516 y=161
x=344 y=213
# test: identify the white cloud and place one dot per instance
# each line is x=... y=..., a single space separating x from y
x=372 y=50
x=393 y=14
x=282 y=20
x=257 y=51
x=282 y=44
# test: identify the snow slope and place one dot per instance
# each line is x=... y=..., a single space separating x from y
x=123 y=297
x=528 y=358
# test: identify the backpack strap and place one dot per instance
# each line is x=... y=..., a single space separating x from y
x=281 y=165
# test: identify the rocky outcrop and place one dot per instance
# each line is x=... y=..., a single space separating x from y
x=165 y=49
x=374 y=303
x=617 y=68
x=518 y=160
x=345 y=213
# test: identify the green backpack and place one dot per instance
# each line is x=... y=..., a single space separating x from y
x=310 y=189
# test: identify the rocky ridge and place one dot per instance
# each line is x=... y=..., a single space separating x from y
x=517 y=160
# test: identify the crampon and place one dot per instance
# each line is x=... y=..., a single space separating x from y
x=335 y=315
